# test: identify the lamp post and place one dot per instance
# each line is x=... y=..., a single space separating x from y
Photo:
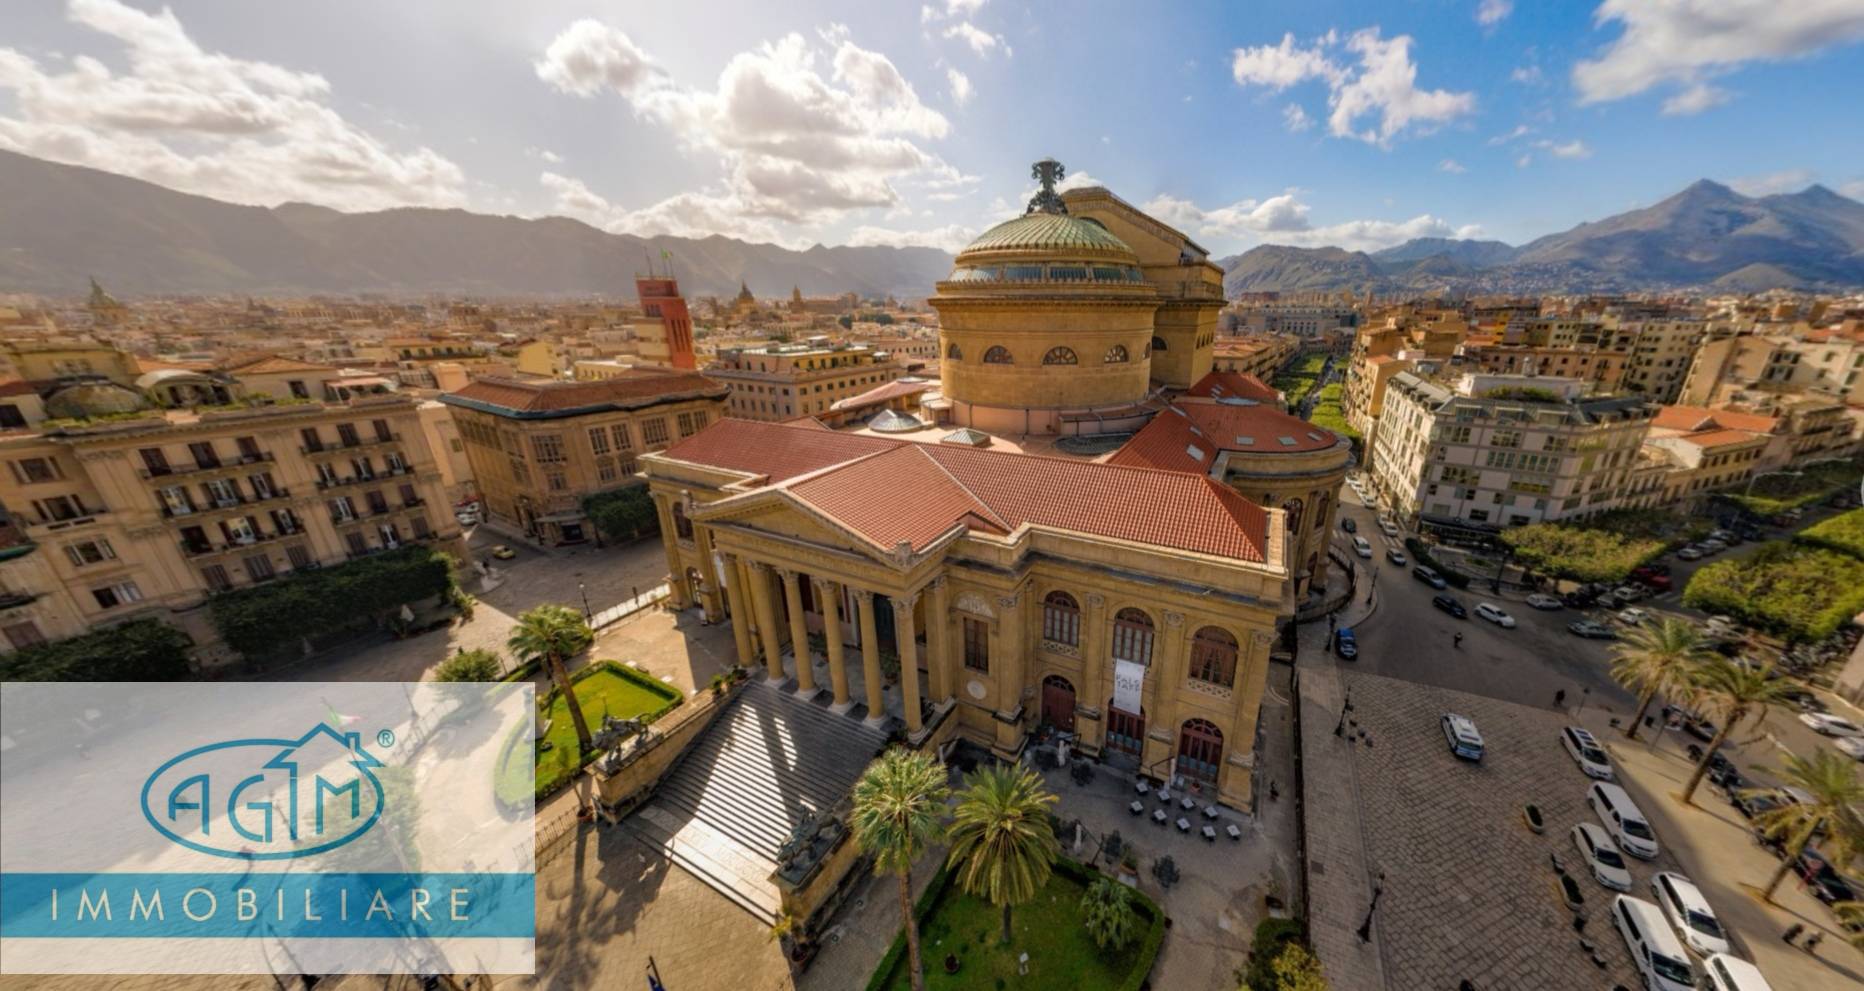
x=1340 y=728
x=588 y=616
x=1584 y=694
x=1365 y=928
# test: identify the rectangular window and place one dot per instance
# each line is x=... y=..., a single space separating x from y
x=204 y=454
x=548 y=448
x=382 y=432
x=408 y=496
x=90 y=552
x=976 y=644
x=259 y=567
x=346 y=434
x=378 y=503
x=154 y=461
x=248 y=448
x=298 y=391
x=598 y=440
x=605 y=469
x=690 y=423
x=357 y=544
x=556 y=481
x=120 y=594
x=312 y=440
x=216 y=578
x=520 y=473
x=654 y=432
x=622 y=440
x=23 y=635
x=300 y=557
x=421 y=532
x=32 y=470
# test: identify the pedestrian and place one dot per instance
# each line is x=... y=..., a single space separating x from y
x=1459 y=641
x=1559 y=698
x=1792 y=933
x=1811 y=945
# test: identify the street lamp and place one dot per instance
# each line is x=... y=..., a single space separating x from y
x=1340 y=729
x=1584 y=693
x=588 y=616
x=1365 y=928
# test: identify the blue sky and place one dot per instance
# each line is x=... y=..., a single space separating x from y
x=1359 y=124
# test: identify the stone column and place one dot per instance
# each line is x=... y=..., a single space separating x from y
x=799 y=632
x=741 y=574
x=1097 y=687
x=1008 y=665
x=713 y=599
x=829 y=594
x=740 y=613
x=676 y=571
x=906 y=640
x=938 y=655
x=1167 y=676
x=767 y=619
x=870 y=656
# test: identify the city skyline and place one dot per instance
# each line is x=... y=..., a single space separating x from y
x=1337 y=125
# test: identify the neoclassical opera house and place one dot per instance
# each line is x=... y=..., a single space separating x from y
x=959 y=592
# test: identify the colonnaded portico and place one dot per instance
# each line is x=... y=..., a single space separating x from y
x=981 y=595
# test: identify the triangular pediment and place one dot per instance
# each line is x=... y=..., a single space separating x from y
x=779 y=514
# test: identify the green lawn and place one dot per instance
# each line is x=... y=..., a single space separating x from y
x=1061 y=955
x=603 y=689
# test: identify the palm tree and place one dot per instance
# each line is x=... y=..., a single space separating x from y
x=1853 y=913
x=898 y=807
x=555 y=634
x=1833 y=790
x=1654 y=659
x=1001 y=840
x=1731 y=691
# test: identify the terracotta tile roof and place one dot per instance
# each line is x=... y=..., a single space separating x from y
x=897 y=490
x=1217 y=385
x=1188 y=436
x=272 y=364
x=882 y=393
x=633 y=388
x=1719 y=438
x=1694 y=418
x=17 y=387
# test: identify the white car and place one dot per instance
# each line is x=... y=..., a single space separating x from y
x=1585 y=750
x=1689 y=554
x=1601 y=856
x=1541 y=600
x=1689 y=913
x=1830 y=725
x=1387 y=527
x=1852 y=746
x=1723 y=972
x=1494 y=614
x=1633 y=616
x=1362 y=547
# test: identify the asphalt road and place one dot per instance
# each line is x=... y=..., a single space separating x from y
x=1407 y=637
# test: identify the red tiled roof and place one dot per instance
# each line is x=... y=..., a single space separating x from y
x=892 y=490
x=629 y=388
x=1217 y=385
x=17 y=387
x=1694 y=418
x=1718 y=438
x=1167 y=441
x=882 y=393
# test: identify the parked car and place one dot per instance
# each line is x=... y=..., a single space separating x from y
x=1802 y=699
x=1541 y=600
x=1633 y=616
x=1429 y=576
x=1661 y=961
x=1631 y=593
x=1494 y=614
x=1387 y=527
x=1586 y=751
x=1689 y=913
x=1601 y=856
x=503 y=553
x=1621 y=818
x=1578 y=599
x=1829 y=725
x=1852 y=746
x=1753 y=803
x=1362 y=547
x=1451 y=605
x=1822 y=881
x=1347 y=524
x=1689 y=722
x=1713 y=546
x=1592 y=630
x=1690 y=553
x=1346 y=644
x=1460 y=733
x=1724 y=972
x=1609 y=600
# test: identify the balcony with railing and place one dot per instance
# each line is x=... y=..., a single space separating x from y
x=236 y=503
x=201 y=468
x=361 y=443
x=84 y=519
x=207 y=548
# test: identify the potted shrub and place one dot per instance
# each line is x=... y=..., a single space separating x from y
x=1534 y=821
x=1570 y=893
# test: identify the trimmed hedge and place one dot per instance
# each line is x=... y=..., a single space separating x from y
x=263 y=619
x=142 y=650
x=1798 y=592
x=1420 y=554
x=1778 y=493
x=1581 y=552
x=1843 y=533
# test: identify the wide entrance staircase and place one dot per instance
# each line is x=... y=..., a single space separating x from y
x=741 y=788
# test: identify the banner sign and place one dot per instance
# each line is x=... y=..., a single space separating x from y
x=266 y=828
x=1129 y=682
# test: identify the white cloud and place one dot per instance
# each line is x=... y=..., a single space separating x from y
x=1284 y=219
x=1381 y=85
x=1853 y=189
x=696 y=214
x=982 y=42
x=1295 y=118
x=1569 y=149
x=1786 y=181
x=1492 y=12
x=1520 y=131
x=950 y=238
x=546 y=154
x=1527 y=75
x=1524 y=161
x=1684 y=43
x=1451 y=166
x=797 y=143
x=961 y=91
x=208 y=122
x=964 y=8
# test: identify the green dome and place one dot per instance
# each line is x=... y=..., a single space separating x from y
x=1049 y=233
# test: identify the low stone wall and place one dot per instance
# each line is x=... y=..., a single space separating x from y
x=620 y=793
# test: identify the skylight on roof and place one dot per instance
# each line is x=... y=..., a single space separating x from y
x=1314 y=435
x=1286 y=441
x=1193 y=451
x=1245 y=441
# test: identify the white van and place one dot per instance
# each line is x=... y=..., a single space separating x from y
x=1722 y=972
x=1622 y=819
x=1657 y=955
x=1689 y=913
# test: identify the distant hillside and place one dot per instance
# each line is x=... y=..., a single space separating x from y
x=61 y=223
x=1705 y=236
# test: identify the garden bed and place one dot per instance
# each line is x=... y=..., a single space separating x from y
x=604 y=688
x=1062 y=956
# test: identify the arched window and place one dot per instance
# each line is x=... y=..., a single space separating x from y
x=953 y=352
x=1061 y=619
x=997 y=355
x=1132 y=636
x=1213 y=656
x=682 y=525
x=1320 y=511
x=1060 y=356
x=1200 y=751
x=1294 y=508
x=1116 y=354
x=1158 y=344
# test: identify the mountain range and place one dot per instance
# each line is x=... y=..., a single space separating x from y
x=1707 y=236
x=62 y=223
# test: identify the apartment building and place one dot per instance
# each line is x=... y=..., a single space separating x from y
x=538 y=448
x=1657 y=355
x=149 y=512
x=1499 y=450
x=1749 y=367
x=785 y=381
x=1261 y=355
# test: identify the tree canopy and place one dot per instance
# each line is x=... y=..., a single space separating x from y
x=1801 y=593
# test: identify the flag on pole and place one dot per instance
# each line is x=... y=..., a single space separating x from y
x=337 y=720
